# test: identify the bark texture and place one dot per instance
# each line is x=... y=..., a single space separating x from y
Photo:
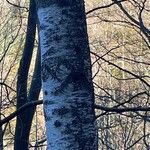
x=66 y=74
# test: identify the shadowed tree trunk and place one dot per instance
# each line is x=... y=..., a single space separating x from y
x=66 y=75
x=24 y=120
x=33 y=95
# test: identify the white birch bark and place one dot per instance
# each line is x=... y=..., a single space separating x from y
x=66 y=75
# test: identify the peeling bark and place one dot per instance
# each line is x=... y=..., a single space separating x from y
x=66 y=74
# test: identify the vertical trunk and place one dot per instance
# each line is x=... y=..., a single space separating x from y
x=1 y=128
x=20 y=140
x=66 y=75
x=33 y=95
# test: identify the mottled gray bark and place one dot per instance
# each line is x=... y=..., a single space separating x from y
x=66 y=74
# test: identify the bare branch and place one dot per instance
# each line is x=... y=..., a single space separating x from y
x=20 y=110
x=106 y=6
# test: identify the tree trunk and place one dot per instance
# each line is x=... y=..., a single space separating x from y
x=66 y=75
x=23 y=120
x=33 y=95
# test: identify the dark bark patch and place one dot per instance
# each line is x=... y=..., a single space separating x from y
x=47 y=118
x=64 y=3
x=42 y=27
x=57 y=123
x=68 y=129
x=74 y=111
x=61 y=111
x=57 y=38
x=64 y=12
x=75 y=122
x=45 y=92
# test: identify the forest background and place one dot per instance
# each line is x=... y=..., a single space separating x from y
x=119 y=38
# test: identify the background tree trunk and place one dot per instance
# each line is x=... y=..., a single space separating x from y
x=23 y=123
x=66 y=75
